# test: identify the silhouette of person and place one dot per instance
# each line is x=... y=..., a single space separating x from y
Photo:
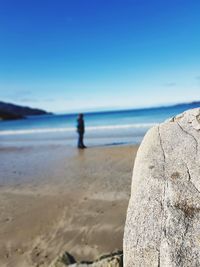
x=80 y=130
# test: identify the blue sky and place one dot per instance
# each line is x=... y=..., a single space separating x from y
x=72 y=55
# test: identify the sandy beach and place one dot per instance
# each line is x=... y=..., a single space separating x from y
x=55 y=198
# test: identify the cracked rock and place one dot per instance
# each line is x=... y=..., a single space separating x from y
x=163 y=218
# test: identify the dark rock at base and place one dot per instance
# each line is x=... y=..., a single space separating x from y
x=67 y=259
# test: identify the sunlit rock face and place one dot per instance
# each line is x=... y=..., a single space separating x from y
x=163 y=218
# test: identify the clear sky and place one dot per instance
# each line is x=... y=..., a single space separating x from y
x=72 y=55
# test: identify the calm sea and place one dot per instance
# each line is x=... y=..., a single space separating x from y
x=102 y=128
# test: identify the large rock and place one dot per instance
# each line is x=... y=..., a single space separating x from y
x=163 y=219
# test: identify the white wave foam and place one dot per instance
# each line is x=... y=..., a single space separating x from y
x=73 y=129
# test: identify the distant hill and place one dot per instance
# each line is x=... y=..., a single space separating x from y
x=194 y=103
x=189 y=105
x=13 y=112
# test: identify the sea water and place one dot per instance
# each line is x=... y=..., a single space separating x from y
x=101 y=128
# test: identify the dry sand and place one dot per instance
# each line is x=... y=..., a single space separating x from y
x=55 y=199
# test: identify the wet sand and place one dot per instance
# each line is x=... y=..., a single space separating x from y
x=56 y=198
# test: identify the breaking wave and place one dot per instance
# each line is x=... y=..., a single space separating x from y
x=72 y=129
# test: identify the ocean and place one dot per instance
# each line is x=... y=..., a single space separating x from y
x=102 y=128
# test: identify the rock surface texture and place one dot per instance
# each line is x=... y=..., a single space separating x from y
x=163 y=218
x=114 y=259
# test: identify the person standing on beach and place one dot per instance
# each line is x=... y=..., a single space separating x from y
x=80 y=131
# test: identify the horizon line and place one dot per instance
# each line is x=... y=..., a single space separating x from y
x=127 y=109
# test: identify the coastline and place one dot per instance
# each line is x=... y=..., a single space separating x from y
x=56 y=198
